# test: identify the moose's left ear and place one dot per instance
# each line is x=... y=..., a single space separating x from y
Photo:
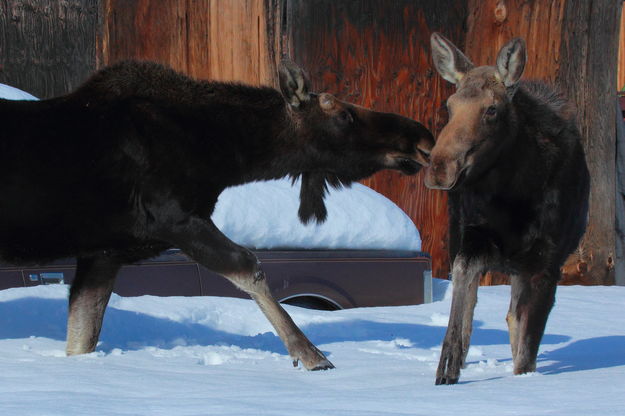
x=511 y=62
x=294 y=83
x=450 y=63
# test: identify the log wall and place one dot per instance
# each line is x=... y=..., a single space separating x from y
x=213 y=39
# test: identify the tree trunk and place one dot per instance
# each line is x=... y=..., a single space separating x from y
x=588 y=56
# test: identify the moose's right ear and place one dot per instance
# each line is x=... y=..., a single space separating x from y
x=294 y=83
x=448 y=60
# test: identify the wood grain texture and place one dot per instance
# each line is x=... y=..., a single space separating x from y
x=620 y=83
x=492 y=23
x=152 y=30
x=233 y=38
x=208 y=39
x=377 y=54
x=588 y=73
x=47 y=48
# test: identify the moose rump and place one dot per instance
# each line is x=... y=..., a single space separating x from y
x=511 y=159
x=133 y=161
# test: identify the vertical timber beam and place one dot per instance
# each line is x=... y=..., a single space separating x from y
x=588 y=71
x=207 y=39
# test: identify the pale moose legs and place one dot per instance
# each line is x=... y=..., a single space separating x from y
x=466 y=277
x=89 y=295
x=207 y=245
x=95 y=277
x=531 y=301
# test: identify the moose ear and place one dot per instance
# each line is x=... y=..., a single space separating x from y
x=511 y=62
x=448 y=60
x=294 y=83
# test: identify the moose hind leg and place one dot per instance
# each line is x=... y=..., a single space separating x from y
x=536 y=296
x=466 y=276
x=206 y=244
x=89 y=295
x=518 y=287
x=297 y=344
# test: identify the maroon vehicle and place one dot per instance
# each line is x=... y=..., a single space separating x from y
x=318 y=279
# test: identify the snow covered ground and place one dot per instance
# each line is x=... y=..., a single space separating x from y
x=219 y=356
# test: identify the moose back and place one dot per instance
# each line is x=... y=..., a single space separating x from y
x=133 y=161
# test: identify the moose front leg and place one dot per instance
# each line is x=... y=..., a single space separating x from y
x=466 y=275
x=89 y=295
x=532 y=300
x=201 y=240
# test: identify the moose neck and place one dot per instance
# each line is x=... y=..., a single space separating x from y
x=264 y=140
x=510 y=169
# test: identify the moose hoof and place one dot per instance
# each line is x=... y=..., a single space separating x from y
x=446 y=380
x=313 y=360
x=325 y=365
x=451 y=361
x=524 y=368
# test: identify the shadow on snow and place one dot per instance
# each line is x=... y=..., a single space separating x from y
x=585 y=354
x=122 y=329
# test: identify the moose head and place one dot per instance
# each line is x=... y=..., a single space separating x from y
x=481 y=115
x=341 y=142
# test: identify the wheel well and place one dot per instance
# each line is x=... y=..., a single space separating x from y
x=311 y=301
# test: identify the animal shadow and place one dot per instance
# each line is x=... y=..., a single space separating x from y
x=585 y=354
x=121 y=329
x=25 y=317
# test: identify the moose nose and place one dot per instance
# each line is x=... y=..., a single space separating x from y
x=439 y=167
x=440 y=174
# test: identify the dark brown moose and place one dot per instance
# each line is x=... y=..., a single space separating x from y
x=133 y=161
x=512 y=161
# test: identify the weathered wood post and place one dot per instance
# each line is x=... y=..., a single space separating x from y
x=47 y=47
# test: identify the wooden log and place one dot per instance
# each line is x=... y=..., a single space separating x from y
x=619 y=269
x=213 y=39
x=152 y=30
x=588 y=56
x=492 y=23
x=47 y=48
x=620 y=82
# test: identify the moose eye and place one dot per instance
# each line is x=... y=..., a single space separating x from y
x=345 y=117
x=491 y=111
